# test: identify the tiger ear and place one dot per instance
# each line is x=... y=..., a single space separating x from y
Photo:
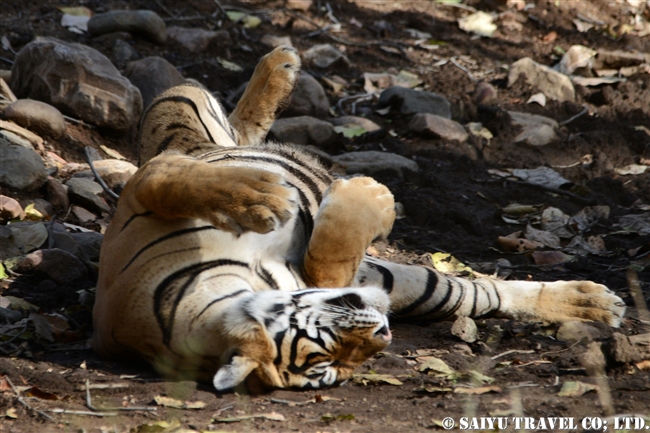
x=234 y=373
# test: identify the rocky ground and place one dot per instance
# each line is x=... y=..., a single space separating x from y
x=514 y=135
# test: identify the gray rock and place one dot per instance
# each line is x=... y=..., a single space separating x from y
x=83 y=215
x=16 y=139
x=633 y=348
x=20 y=238
x=9 y=316
x=197 y=40
x=409 y=101
x=465 y=329
x=308 y=99
x=325 y=56
x=10 y=209
x=355 y=121
x=87 y=193
x=21 y=169
x=437 y=126
x=57 y=194
x=63 y=240
x=552 y=83
x=123 y=52
x=113 y=172
x=372 y=162
x=152 y=75
x=575 y=331
x=141 y=22
x=536 y=130
x=36 y=116
x=59 y=265
x=89 y=243
x=78 y=80
x=303 y=130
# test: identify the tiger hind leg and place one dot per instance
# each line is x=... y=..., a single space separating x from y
x=267 y=94
x=353 y=213
x=422 y=293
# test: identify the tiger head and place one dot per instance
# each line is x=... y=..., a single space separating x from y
x=307 y=339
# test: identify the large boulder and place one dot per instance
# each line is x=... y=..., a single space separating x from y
x=78 y=80
x=153 y=75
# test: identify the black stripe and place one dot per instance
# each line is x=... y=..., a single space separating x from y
x=171 y=290
x=459 y=301
x=214 y=114
x=278 y=339
x=164 y=238
x=302 y=176
x=184 y=100
x=214 y=301
x=265 y=275
x=165 y=144
x=432 y=282
x=473 y=313
x=134 y=216
x=291 y=154
x=388 y=280
x=304 y=214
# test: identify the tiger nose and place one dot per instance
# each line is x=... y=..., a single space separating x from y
x=385 y=334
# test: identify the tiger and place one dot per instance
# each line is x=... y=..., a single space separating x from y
x=239 y=261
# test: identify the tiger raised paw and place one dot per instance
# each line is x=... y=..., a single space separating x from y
x=229 y=259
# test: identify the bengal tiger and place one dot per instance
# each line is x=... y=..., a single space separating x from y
x=229 y=258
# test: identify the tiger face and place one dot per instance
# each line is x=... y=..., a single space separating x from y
x=307 y=339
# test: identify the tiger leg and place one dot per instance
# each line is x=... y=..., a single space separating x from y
x=352 y=214
x=421 y=293
x=234 y=199
x=267 y=94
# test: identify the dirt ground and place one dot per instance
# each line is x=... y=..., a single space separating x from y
x=453 y=206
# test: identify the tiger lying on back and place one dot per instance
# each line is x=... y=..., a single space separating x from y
x=229 y=258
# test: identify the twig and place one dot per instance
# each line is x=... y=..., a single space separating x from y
x=559 y=351
x=219 y=9
x=89 y=403
x=15 y=336
x=24 y=403
x=584 y=111
x=510 y=352
x=4 y=59
x=82 y=412
x=463 y=68
x=162 y=6
x=330 y=14
x=98 y=178
x=78 y=122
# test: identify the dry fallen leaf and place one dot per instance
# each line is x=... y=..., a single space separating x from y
x=517 y=245
x=576 y=389
x=272 y=416
x=643 y=365
x=364 y=379
x=477 y=391
x=40 y=394
x=178 y=404
x=11 y=413
x=436 y=367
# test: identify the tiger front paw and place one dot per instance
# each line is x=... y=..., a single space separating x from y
x=580 y=300
x=252 y=200
x=365 y=204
